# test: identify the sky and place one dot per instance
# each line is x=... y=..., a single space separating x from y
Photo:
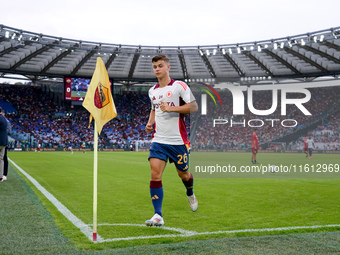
x=171 y=23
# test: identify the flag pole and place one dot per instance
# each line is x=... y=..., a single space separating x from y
x=95 y=174
x=99 y=102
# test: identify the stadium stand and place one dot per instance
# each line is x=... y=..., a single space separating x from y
x=36 y=55
x=37 y=119
x=39 y=113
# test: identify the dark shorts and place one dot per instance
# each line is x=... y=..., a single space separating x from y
x=177 y=154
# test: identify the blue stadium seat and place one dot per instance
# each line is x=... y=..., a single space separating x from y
x=7 y=107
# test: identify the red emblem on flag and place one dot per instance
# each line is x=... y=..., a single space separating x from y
x=101 y=96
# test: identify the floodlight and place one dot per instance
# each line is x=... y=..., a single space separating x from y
x=275 y=46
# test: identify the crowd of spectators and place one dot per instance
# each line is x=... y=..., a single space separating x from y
x=38 y=119
x=133 y=112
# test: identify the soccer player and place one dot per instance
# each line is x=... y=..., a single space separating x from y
x=254 y=146
x=77 y=88
x=305 y=146
x=70 y=147
x=170 y=99
x=38 y=148
x=310 y=143
x=83 y=146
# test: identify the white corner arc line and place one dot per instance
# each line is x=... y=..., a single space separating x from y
x=84 y=228
x=183 y=232
x=180 y=230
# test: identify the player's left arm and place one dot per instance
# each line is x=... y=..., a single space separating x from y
x=186 y=108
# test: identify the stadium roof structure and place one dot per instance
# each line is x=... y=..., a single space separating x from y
x=38 y=56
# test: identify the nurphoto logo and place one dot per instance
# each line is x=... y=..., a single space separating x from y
x=238 y=105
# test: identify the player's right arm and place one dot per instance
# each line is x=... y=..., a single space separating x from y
x=148 y=127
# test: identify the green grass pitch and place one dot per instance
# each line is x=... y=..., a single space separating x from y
x=224 y=203
x=78 y=94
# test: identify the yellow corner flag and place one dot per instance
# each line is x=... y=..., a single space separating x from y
x=98 y=100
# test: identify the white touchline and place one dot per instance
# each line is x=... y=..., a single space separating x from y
x=87 y=230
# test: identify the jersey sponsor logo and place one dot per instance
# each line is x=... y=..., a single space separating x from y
x=172 y=104
x=153 y=98
x=160 y=97
x=169 y=94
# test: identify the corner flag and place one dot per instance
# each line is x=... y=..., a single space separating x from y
x=98 y=100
